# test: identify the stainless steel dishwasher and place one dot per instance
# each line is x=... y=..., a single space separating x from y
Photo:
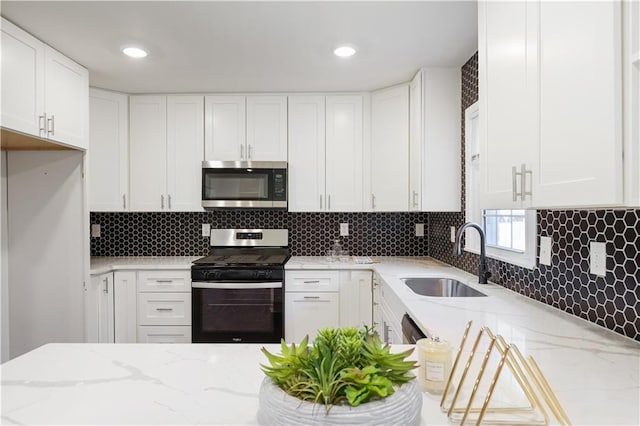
x=411 y=333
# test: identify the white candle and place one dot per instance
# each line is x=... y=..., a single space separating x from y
x=434 y=360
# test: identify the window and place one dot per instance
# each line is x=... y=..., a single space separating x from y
x=510 y=234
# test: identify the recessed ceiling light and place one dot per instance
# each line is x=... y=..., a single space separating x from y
x=344 y=51
x=134 y=52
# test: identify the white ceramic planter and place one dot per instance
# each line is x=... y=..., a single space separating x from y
x=279 y=408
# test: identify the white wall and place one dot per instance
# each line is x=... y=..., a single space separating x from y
x=46 y=227
x=4 y=266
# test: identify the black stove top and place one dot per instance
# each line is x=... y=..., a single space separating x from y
x=244 y=257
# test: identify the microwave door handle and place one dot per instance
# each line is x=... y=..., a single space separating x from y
x=235 y=286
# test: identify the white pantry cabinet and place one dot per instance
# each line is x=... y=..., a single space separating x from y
x=245 y=128
x=325 y=153
x=166 y=152
x=389 y=161
x=44 y=93
x=545 y=141
x=108 y=155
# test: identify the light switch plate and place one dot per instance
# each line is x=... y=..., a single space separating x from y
x=419 y=229
x=453 y=234
x=206 y=230
x=598 y=261
x=344 y=229
x=545 y=251
x=95 y=230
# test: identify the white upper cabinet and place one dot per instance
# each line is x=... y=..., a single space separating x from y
x=66 y=100
x=185 y=152
x=166 y=144
x=390 y=149
x=108 y=159
x=580 y=146
x=225 y=133
x=148 y=152
x=306 y=163
x=245 y=128
x=631 y=85
x=22 y=81
x=344 y=153
x=266 y=128
x=44 y=93
x=415 y=143
x=546 y=141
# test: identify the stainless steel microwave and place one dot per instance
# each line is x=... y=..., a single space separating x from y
x=244 y=184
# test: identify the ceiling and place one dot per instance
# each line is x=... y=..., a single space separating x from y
x=260 y=46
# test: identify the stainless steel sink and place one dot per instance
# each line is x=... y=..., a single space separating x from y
x=441 y=287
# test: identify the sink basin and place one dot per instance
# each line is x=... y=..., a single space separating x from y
x=441 y=287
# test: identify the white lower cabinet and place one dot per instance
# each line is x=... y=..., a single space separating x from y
x=124 y=306
x=164 y=334
x=99 y=318
x=387 y=312
x=321 y=299
x=164 y=306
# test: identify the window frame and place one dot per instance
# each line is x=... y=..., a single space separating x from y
x=473 y=213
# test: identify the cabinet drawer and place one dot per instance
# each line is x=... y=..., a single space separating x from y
x=164 y=309
x=164 y=334
x=308 y=312
x=174 y=281
x=311 y=281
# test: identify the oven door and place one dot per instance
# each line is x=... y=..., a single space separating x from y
x=244 y=184
x=248 y=312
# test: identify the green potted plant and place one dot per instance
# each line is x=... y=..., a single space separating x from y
x=348 y=371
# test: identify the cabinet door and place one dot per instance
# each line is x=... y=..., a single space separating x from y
x=124 y=306
x=344 y=153
x=507 y=74
x=308 y=312
x=225 y=133
x=66 y=100
x=22 y=81
x=108 y=155
x=267 y=128
x=99 y=318
x=185 y=152
x=377 y=306
x=306 y=154
x=148 y=152
x=356 y=299
x=415 y=143
x=390 y=149
x=580 y=147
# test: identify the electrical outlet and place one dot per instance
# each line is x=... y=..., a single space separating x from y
x=545 y=251
x=206 y=230
x=419 y=229
x=95 y=230
x=344 y=229
x=453 y=234
x=598 y=261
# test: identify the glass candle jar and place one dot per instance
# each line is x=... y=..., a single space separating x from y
x=434 y=364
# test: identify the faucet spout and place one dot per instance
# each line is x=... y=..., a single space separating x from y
x=483 y=272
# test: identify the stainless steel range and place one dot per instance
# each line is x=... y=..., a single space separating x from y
x=237 y=290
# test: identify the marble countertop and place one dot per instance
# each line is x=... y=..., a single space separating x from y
x=101 y=265
x=119 y=384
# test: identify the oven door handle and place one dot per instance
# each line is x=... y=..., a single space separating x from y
x=234 y=286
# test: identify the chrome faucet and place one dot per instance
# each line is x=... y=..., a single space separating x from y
x=483 y=273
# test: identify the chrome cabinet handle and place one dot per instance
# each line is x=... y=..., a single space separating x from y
x=415 y=196
x=106 y=286
x=312 y=297
x=320 y=201
x=242 y=152
x=514 y=183
x=312 y=282
x=329 y=202
x=124 y=201
x=162 y=202
x=164 y=281
x=51 y=130
x=164 y=309
x=169 y=200
x=42 y=123
x=249 y=151
x=373 y=201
